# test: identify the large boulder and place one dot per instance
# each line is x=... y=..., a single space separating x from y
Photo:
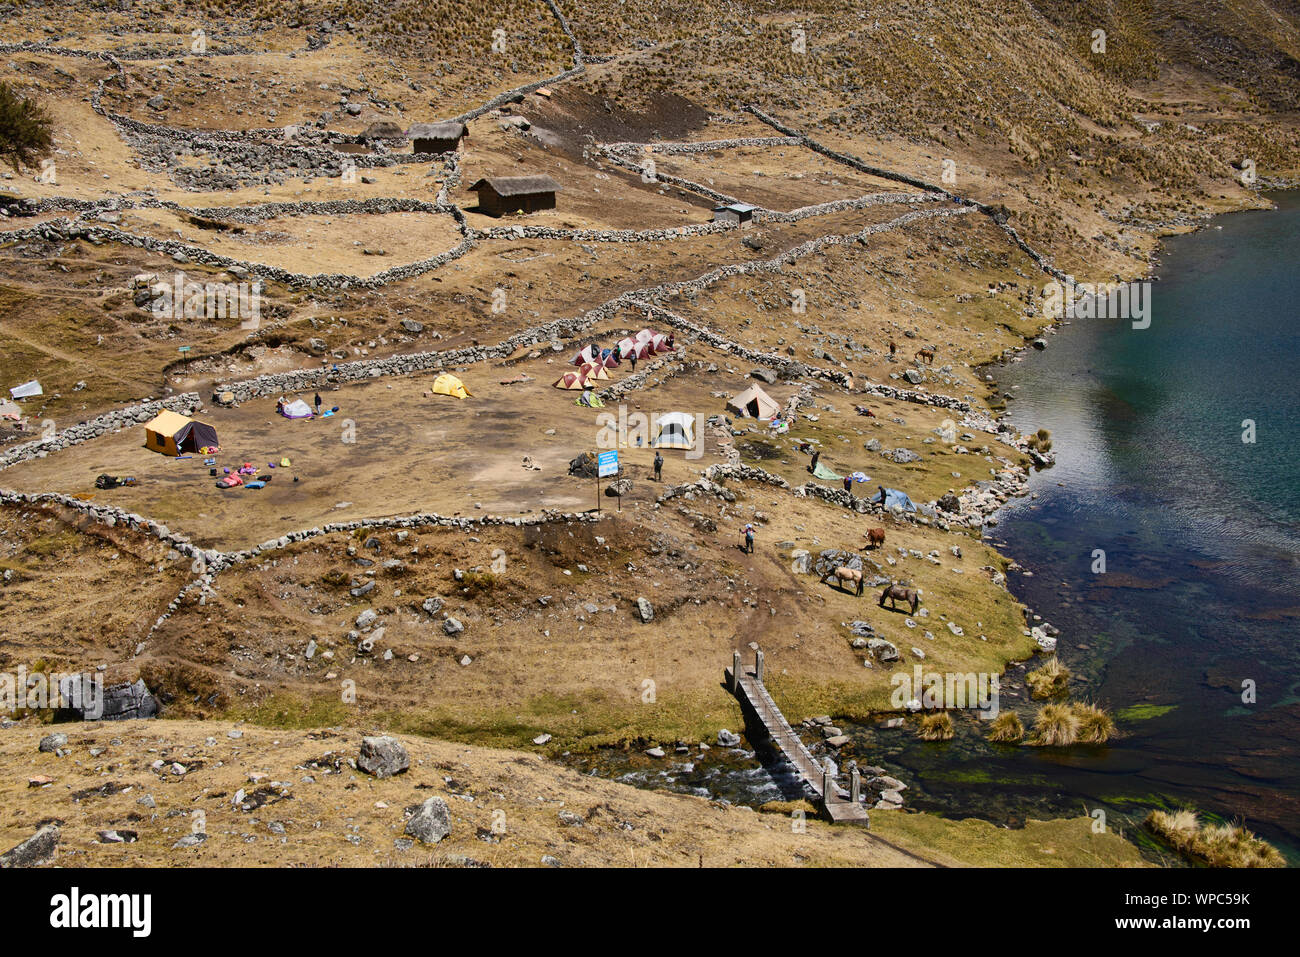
x=87 y=701
x=36 y=850
x=1045 y=641
x=801 y=561
x=431 y=823
x=949 y=502
x=728 y=739
x=644 y=609
x=383 y=757
x=882 y=650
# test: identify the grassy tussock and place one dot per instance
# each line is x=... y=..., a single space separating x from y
x=1095 y=725
x=1055 y=727
x=1006 y=728
x=1218 y=845
x=1049 y=681
x=936 y=727
x=1063 y=725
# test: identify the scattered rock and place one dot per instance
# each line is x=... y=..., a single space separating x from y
x=882 y=650
x=383 y=756
x=431 y=823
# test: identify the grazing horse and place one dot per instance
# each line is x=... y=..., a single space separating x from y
x=845 y=576
x=875 y=537
x=899 y=593
x=926 y=355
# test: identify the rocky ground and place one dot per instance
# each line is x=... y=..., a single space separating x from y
x=206 y=793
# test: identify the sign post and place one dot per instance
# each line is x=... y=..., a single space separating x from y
x=606 y=464
x=185 y=354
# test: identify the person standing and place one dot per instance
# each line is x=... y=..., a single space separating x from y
x=318 y=403
x=848 y=485
x=749 y=539
x=659 y=467
x=812 y=467
x=632 y=359
x=882 y=497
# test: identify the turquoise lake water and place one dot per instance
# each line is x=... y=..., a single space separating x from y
x=1200 y=598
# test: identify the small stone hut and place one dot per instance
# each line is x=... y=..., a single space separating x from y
x=499 y=195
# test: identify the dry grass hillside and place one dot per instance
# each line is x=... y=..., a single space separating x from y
x=274 y=798
x=233 y=141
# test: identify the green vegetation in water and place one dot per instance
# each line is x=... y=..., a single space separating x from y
x=1144 y=712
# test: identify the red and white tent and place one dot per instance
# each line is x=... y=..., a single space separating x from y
x=571 y=380
x=593 y=370
x=587 y=355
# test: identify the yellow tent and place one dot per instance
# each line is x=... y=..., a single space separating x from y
x=171 y=434
x=448 y=384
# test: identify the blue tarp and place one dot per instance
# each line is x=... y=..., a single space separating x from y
x=894 y=497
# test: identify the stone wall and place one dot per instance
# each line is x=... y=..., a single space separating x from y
x=186 y=404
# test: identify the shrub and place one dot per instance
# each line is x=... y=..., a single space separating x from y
x=25 y=129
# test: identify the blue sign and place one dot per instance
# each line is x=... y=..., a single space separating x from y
x=607 y=463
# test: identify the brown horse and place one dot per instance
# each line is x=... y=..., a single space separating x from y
x=875 y=537
x=926 y=355
x=899 y=593
x=845 y=576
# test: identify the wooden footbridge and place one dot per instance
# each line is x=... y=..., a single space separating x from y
x=833 y=802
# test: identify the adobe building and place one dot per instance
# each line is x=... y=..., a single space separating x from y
x=500 y=195
x=441 y=137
